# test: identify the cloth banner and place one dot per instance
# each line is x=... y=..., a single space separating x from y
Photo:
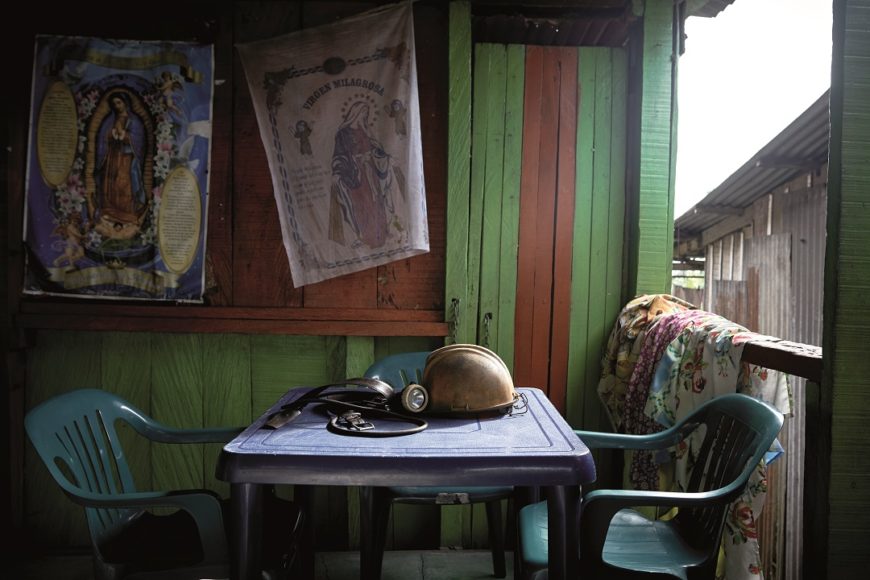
x=338 y=112
x=117 y=172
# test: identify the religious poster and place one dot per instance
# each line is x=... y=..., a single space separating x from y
x=338 y=113
x=117 y=172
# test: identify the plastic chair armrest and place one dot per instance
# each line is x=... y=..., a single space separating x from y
x=202 y=505
x=660 y=440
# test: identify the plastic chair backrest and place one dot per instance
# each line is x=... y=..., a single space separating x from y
x=738 y=431
x=76 y=437
x=399 y=370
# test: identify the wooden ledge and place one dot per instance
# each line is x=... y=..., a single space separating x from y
x=794 y=358
x=246 y=320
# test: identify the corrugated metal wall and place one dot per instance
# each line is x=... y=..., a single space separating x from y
x=772 y=283
x=803 y=214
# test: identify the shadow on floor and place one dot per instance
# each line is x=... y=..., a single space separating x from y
x=398 y=565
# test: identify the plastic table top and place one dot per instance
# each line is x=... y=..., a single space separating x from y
x=532 y=448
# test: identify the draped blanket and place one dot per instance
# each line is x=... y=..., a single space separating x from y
x=663 y=360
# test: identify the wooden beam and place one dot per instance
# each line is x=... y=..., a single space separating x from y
x=184 y=324
x=794 y=358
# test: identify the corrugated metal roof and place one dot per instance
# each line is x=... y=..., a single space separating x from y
x=576 y=31
x=581 y=23
x=708 y=8
x=801 y=146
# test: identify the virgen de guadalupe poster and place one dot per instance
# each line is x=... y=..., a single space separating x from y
x=339 y=117
x=117 y=173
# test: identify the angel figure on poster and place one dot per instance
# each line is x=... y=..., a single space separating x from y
x=168 y=84
x=364 y=183
x=397 y=112
x=71 y=232
x=303 y=133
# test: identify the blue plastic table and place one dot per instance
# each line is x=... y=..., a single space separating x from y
x=534 y=449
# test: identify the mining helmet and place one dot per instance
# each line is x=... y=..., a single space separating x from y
x=461 y=379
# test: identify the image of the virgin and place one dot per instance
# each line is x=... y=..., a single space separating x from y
x=361 y=182
x=119 y=185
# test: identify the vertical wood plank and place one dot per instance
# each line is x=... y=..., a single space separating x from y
x=357 y=290
x=492 y=105
x=652 y=266
x=358 y=355
x=219 y=245
x=598 y=329
x=126 y=370
x=564 y=224
x=483 y=69
x=226 y=394
x=456 y=301
x=60 y=362
x=614 y=297
x=280 y=363
x=513 y=158
x=579 y=372
x=547 y=178
x=177 y=400
x=387 y=345
x=418 y=282
x=528 y=216
x=841 y=502
x=261 y=271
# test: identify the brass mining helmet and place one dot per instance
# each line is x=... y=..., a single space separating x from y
x=461 y=379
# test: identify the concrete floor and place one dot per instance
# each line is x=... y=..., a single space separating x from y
x=398 y=565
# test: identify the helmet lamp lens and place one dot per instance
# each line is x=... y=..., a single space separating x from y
x=414 y=398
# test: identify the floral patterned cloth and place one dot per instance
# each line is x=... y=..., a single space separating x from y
x=644 y=469
x=623 y=348
x=703 y=362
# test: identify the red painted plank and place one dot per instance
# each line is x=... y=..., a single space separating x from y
x=564 y=228
x=418 y=282
x=547 y=172
x=261 y=271
x=528 y=217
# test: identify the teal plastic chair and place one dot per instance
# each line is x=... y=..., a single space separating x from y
x=75 y=435
x=618 y=542
x=399 y=371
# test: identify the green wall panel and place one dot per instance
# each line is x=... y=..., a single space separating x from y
x=126 y=370
x=458 y=312
x=510 y=202
x=651 y=246
x=597 y=286
x=177 y=400
x=279 y=363
x=845 y=410
x=226 y=393
x=60 y=362
x=495 y=190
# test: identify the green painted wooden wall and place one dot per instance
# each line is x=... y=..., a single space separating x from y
x=651 y=231
x=193 y=380
x=596 y=271
x=598 y=279
x=841 y=534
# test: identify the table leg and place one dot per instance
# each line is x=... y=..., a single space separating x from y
x=373 y=527
x=304 y=496
x=246 y=501
x=572 y=533
x=556 y=528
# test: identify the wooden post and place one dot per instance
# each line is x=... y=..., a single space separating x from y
x=842 y=464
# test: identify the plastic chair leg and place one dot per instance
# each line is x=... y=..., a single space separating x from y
x=496 y=537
